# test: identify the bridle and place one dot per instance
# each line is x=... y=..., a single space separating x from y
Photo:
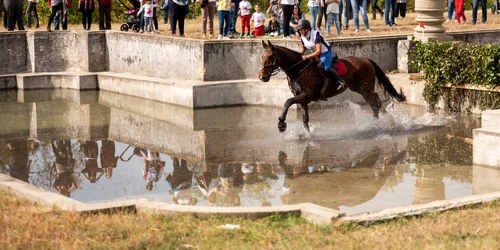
x=279 y=69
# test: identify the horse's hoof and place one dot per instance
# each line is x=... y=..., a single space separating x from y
x=282 y=126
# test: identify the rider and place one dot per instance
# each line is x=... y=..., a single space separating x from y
x=313 y=41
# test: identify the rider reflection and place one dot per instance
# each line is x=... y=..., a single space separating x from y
x=19 y=166
x=91 y=169
x=64 y=166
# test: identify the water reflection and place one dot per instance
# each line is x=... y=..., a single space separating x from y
x=242 y=162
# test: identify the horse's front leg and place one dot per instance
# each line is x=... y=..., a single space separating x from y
x=305 y=115
x=302 y=98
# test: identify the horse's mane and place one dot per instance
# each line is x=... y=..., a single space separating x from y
x=292 y=53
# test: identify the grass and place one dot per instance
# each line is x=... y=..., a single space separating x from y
x=378 y=27
x=27 y=226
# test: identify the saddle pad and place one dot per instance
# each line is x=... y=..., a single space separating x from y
x=341 y=68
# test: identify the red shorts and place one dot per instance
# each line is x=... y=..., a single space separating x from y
x=259 y=31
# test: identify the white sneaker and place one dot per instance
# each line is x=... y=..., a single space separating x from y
x=369 y=31
x=219 y=37
x=356 y=31
x=226 y=38
x=286 y=38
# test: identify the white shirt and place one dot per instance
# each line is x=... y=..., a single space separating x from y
x=258 y=19
x=245 y=8
x=288 y=2
x=313 y=3
x=332 y=8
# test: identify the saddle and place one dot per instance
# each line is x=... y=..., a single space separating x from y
x=338 y=65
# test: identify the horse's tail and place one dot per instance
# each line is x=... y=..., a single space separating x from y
x=384 y=81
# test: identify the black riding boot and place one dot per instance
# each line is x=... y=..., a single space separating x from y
x=334 y=76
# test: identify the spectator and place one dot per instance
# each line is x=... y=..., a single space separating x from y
x=64 y=165
x=32 y=13
x=208 y=8
x=459 y=8
x=359 y=6
x=244 y=11
x=165 y=11
x=87 y=8
x=313 y=6
x=296 y=17
x=3 y=13
x=104 y=14
x=55 y=6
x=91 y=169
x=234 y=18
x=288 y=8
x=401 y=8
x=333 y=13
x=347 y=10
x=224 y=13
x=147 y=13
x=257 y=22
x=475 y=5
x=375 y=8
x=178 y=10
x=108 y=158
x=274 y=26
x=390 y=12
x=275 y=8
x=321 y=14
x=14 y=14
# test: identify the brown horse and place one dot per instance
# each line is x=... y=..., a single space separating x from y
x=306 y=81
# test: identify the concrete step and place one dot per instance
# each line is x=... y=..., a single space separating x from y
x=54 y=80
x=486 y=146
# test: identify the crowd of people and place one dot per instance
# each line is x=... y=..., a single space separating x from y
x=279 y=19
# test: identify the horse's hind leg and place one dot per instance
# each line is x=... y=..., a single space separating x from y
x=374 y=100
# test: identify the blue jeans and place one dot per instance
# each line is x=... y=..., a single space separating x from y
x=346 y=8
x=57 y=19
x=362 y=10
x=314 y=13
x=165 y=12
x=234 y=19
x=475 y=5
x=326 y=58
x=224 y=16
x=333 y=18
x=390 y=5
x=451 y=8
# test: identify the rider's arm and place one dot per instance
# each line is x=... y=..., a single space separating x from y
x=302 y=49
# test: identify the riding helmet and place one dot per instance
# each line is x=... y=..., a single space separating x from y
x=303 y=24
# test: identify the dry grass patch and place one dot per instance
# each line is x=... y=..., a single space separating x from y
x=475 y=227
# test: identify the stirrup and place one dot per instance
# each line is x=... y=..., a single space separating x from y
x=341 y=84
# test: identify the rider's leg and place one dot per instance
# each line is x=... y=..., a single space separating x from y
x=326 y=58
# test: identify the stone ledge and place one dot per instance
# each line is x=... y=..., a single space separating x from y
x=68 y=80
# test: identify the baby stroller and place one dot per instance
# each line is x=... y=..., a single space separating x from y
x=134 y=22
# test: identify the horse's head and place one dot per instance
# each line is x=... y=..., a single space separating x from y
x=270 y=62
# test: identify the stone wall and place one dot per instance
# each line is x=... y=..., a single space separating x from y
x=14 y=56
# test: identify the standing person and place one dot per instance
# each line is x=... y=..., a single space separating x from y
x=165 y=11
x=313 y=6
x=178 y=10
x=90 y=152
x=67 y=4
x=333 y=13
x=322 y=13
x=208 y=8
x=359 y=7
x=459 y=8
x=401 y=8
x=375 y=8
x=32 y=13
x=475 y=5
x=87 y=8
x=451 y=9
x=104 y=14
x=224 y=12
x=153 y=167
x=14 y=10
x=64 y=165
x=108 y=159
x=314 y=43
x=245 y=16
x=287 y=6
x=390 y=12
x=234 y=17
x=257 y=22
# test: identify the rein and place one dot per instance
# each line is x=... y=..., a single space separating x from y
x=279 y=69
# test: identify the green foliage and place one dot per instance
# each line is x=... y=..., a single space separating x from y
x=455 y=63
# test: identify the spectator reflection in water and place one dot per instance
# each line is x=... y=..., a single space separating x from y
x=64 y=165
x=108 y=158
x=180 y=181
x=153 y=167
x=91 y=169
x=19 y=166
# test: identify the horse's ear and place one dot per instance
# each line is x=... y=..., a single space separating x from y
x=269 y=43
x=264 y=45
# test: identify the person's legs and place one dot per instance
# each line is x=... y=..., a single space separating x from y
x=204 y=18
x=364 y=15
x=10 y=8
x=101 y=18
x=29 y=13
x=320 y=16
x=451 y=7
x=314 y=13
x=287 y=15
x=52 y=16
x=347 y=9
x=329 y=20
x=84 y=19
x=475 y=5
x=35 y=16
x=165 y=12
x=234 y=19
x=57 y=20
x=483 y=8
x=107 y=14
x=336 y=18
x=155 y=18
x=173 y=17
x=387 y=12
x=181 y=18
x=403 y=10
x=211 y=14
x=221 y=22
x=227 y=20
x=393 y=11
x=355 y=13
x=374 y=12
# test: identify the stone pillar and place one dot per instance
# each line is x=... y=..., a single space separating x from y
x=431 y=12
